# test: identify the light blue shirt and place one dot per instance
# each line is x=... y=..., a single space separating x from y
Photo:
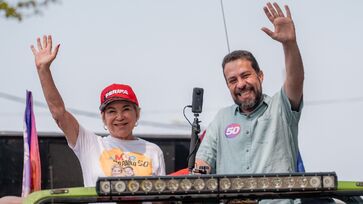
x=264 y=141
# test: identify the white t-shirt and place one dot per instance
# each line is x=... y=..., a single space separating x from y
x=110 y=156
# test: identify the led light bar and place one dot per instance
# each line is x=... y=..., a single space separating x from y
x=216 y=184
x=346 y=191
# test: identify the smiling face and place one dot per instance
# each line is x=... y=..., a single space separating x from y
x=120 y=118
x=244 y=84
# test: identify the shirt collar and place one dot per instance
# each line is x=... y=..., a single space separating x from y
x=266 y=100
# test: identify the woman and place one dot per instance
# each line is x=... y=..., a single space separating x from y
x=119 y=153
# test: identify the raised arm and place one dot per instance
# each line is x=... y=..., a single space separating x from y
x=44 y=56
x=285 y=33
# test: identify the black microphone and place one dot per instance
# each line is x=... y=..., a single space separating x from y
x=197 y=102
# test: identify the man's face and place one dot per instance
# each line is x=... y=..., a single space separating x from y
x=244 y=84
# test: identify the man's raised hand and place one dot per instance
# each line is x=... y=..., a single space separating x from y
x=284 y=26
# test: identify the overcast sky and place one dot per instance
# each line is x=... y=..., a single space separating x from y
x=165 y=48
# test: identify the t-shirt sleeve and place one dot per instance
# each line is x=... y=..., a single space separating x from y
x=84 y=141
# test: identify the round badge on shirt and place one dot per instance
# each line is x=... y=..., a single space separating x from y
x=232 y=130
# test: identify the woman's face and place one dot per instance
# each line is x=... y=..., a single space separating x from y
x=120 y=118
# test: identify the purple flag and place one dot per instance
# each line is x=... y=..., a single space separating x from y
x=32 y=168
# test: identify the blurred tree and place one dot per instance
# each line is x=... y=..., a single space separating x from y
x=22 y=8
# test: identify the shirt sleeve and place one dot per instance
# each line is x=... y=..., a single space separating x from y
x=85 y=140
x=208 y=148
x=293 y=115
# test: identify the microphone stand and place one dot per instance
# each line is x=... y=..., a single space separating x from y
x=194 y=143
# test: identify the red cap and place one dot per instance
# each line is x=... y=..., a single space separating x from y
x=116 y=92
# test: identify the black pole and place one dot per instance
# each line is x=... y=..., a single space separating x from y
x=194 y=143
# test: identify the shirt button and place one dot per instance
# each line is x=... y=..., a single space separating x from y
x=247 y=150
x=247 y=132
x=248 y=167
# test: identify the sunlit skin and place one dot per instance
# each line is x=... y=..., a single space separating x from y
x=120 y=118
x=244 y=84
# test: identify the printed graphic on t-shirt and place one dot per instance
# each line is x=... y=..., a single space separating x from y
x=115 y=162
x=232 y=130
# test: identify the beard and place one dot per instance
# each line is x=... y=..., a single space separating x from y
x=250 y=103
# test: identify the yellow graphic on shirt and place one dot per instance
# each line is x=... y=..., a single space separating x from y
x=115 y=162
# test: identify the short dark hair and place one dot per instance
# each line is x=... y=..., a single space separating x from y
x=243 y=55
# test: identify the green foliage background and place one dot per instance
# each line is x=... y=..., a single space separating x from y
x=22 y=8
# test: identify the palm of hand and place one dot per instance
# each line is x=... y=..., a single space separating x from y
x=284 y=29
x=43 y=57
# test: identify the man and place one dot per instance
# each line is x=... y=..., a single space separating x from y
x=259 y=133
